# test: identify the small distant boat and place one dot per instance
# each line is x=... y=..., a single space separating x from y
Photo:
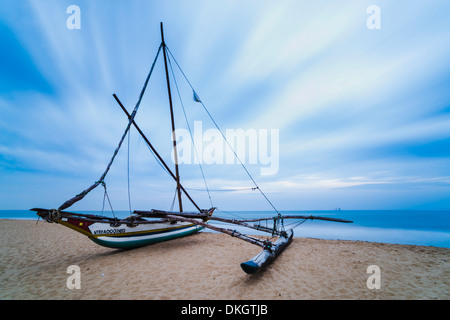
x=147 y=227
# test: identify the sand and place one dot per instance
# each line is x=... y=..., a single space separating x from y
x=34 y=261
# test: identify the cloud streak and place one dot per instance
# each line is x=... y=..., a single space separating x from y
x=360 y=112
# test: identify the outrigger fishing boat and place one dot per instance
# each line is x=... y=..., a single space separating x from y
x=147 y=227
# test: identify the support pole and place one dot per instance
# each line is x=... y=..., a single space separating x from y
x=232 y=233
x=299 y=217
x=173 y=121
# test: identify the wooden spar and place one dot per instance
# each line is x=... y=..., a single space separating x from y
x=162 y=214
x=154 y=151
x=232 y=233
x=269 y=254
x=299 y=217
x=241 y=222
x=206 y=216
x=173 y=121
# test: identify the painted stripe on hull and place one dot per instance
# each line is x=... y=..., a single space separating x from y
x=135 y=241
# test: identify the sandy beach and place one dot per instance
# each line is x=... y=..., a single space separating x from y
x=34 y=259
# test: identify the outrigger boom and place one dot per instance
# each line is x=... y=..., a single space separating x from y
x=271 y=250
x=135 y=230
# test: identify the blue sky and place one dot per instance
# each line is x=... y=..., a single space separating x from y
x=363 y=115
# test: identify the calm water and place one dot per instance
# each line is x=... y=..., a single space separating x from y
x=430 y=228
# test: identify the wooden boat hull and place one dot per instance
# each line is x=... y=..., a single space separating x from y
x=122 y=234
x=127 y=237
x=132 y=239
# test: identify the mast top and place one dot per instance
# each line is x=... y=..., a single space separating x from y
x=162 y=34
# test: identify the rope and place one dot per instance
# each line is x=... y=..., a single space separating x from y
x=80 y=196
x=217 y=126
x=219 y=190
x=231 y=214
x=190 y=132
x=173 y=200
x=105 y=195
x=296 y=224
x=156 y=158
x=128 y=171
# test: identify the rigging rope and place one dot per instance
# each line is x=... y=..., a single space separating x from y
x=173 y=200
x=295 y=224
x=230 y=213
x=105 y=195
x=128 y=171
x=219 y=190
x=81 y=195
x=212 y=119
x=156 y=158
x=190 y=132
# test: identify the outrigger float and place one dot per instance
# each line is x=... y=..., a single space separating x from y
x=147 y=227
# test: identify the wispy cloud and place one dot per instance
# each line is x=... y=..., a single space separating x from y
x=360 y=112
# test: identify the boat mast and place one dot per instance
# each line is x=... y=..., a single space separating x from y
x=173 y=122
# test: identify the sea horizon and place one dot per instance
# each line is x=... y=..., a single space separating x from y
x=408 y=227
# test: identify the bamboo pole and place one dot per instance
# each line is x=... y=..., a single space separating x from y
x=172 y=120
x=232 y=233
x=299 y=217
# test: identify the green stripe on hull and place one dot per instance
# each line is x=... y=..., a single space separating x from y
x=135 y=243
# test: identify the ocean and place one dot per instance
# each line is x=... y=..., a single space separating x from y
x=429 y=228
